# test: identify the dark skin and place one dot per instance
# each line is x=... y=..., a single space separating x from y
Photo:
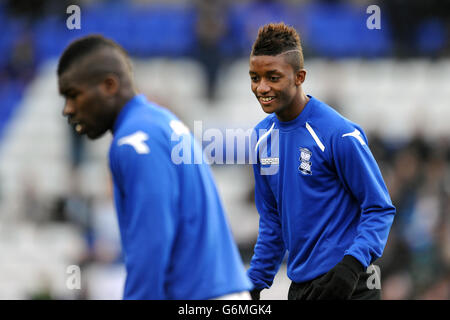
x=277 y=86
x=95 y=89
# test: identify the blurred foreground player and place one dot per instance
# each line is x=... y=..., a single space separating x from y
x=321 y=197
x=176 y=240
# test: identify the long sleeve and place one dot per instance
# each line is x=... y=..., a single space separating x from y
x=360 y=175
x=269 y=249
x=147 y=185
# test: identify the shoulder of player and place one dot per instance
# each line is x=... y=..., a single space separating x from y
x=153 y=119
x=139 y=136
x=131 y=126
x=330 y=123
x=332 y=129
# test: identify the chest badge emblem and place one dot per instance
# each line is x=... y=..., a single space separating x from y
x=305 y=161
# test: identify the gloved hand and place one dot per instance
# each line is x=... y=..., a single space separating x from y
x=338 y=283
x=255 y=293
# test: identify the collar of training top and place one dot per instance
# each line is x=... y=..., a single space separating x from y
x=136 y=100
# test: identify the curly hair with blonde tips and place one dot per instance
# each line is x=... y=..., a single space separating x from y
x=278 y=38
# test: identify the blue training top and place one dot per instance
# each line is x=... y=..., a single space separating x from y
x=319 y=193
x=176 y=241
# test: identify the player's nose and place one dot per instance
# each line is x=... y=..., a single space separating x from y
x=69 y=109
x=263 y=88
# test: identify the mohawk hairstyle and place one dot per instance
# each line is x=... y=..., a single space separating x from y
x=82 y=47
x=276 y=38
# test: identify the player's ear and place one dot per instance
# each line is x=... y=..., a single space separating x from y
x=300 y=77
x=110 y=84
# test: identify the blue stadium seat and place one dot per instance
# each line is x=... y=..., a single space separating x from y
x=163 y=30
x=145 y=30
x=245 y=20
x=430 y=36
x=339 y=30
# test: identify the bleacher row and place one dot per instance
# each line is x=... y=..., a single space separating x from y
x=143 y=28
x=395 y=98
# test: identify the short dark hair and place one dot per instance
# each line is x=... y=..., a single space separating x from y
x=82 y=47
x=276 y=38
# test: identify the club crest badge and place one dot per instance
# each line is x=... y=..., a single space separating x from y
x=305 y=161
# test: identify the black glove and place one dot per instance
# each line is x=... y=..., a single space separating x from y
x=255 y=294
x=338 y=283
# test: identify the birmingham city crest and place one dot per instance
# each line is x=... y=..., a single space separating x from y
x=305 y=161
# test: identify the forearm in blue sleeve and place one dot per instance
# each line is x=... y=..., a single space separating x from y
x=269 y=249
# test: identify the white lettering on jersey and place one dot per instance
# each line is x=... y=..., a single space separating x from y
x=136 y=140
x=269 y=161
x=355 y=134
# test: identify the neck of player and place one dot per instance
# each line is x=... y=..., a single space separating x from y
x=294 y=109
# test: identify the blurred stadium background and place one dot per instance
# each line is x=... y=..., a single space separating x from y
x=56 y=208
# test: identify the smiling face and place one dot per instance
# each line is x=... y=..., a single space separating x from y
x=88 y=106
x=276 y=85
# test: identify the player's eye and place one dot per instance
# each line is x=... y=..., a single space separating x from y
x=71 y=95
x=274 y=78
x=254 y=78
